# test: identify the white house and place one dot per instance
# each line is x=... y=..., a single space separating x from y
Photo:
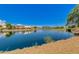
x=3 y=23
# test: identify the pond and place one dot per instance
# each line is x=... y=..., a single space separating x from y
x=18 y=40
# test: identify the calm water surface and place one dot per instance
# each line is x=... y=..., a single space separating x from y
x=18 y=40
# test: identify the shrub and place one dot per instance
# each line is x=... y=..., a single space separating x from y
x=48 y=39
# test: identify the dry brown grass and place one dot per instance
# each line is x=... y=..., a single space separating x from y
x=69 y=46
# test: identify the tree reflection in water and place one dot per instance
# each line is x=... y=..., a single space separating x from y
x=8 y=34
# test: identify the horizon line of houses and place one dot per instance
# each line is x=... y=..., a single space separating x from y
x=17 y=26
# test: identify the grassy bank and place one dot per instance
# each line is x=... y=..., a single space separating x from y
x=70 y=46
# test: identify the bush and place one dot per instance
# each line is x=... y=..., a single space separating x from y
x=48 y=39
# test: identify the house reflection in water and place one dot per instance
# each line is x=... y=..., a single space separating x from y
x=8 y=34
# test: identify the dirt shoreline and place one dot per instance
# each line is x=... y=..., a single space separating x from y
x=69 y=46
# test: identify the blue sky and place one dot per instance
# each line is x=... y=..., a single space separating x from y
x=36 y=14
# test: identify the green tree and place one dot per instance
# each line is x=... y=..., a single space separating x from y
x=35 y=28
x=9 y=26
x=73 y=17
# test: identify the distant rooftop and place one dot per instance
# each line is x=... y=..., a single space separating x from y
x=2 y=22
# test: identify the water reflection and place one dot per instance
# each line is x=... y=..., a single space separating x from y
x=10 y=33
x=16 y=40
